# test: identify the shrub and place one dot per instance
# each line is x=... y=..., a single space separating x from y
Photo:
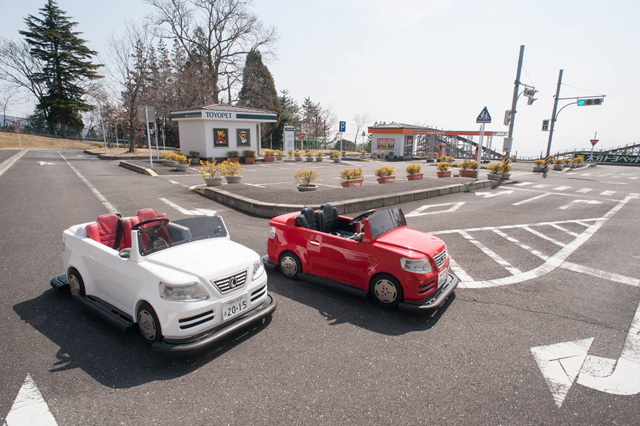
x=334 y=154
x=385 y=171
x=209 y=169
x=558 y=161
x=230 y=168
x=297 y=153
x=232 y=154
x=499 y=168
x=182 y=159
x=443 y=166
x=194 y=154
x=504 y=168
x=279 y=153
x=308 y=153
x=539 y=162
x=412 y=169
x=580 y=159
x=248 y=153
x=319 y=154
x=469 y=165
x=363 y=152
x=447 y=159
x=269 y=153
x=350 y=174
x=306 y=177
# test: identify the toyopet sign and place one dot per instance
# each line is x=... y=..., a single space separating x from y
x=289 y=142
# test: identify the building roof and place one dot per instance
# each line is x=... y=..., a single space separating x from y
x=225 y=107
x=399 y=126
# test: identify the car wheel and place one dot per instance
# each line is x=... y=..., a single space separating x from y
x=76 y=285
x=148 y=323
x=290 y=265
x=386 y=290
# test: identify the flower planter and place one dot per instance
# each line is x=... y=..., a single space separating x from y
x=182 y=167
x=269 y=159
x=415 y=176
x=170 y=163
x=298 y=158
x=557 y=167
x=386 y=179
x=444 y=174
x=279 y=157
x=234 y=159
x=249 y=160
x=352 y=182
x=538 y=169
x=498 y=176
x=319 y=159
x=468 y=173
x=337 y=160
x=307 y=188
x=213 y=181
x=309 y=159
x=233 y=179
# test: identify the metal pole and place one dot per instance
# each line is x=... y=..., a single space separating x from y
x=515 y=97
x=146 y=116
x=592 y=146
x=115 y=124
x=104 y=136
x=480 y=151
x=553 y=120
x=155 y=133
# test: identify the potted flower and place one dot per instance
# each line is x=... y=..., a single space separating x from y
x=169 y=158
x=319 y=156
x=499 y=171
x=309 y=155
x=194 y=154
x=363 y=154
x=269 y=155
x=469 y=168
x=298 y=155
x=352 y=177
x=558 y=164
x=183 y=162
x=231 y=171
x=386 y=174
x=414 y=172
x=443 y=169
x=335 y=156
x=210 y=172
x=305 y=178
x=249 y=156
x=538 y=165
x=279 y=154
x=233 y=156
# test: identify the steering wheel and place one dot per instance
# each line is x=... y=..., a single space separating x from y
x=362 y=216
x=152 y=229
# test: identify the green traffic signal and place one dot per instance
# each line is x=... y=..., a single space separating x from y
x=590 y=101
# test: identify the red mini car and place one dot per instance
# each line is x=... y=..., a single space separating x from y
x=373 y=253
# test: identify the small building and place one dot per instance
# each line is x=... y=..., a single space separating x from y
x=396 y=139
x=216 y=129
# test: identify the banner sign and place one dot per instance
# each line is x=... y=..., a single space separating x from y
x=618 y=159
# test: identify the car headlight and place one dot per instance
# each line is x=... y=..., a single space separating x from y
x=258 y=269
x=419 y=266
x=191 y=292
x=272 y=232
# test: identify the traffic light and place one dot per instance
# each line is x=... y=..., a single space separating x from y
x=545 y=125
x=590 y=101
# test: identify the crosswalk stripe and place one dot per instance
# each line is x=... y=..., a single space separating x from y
x=493 y=255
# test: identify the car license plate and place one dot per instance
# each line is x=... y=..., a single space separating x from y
x=233 y=307
x=442 y=277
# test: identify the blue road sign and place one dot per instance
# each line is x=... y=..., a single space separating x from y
x=343 y=126
x=484 y=116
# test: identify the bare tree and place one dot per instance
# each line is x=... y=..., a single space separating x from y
x=215 y=35
x=361 y=120
x=19 y=68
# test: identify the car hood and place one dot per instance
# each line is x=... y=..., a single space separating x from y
x=207 y=259
x=409 y=239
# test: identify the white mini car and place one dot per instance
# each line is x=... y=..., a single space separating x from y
x=185 y=283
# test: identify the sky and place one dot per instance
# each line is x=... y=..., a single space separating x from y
x=432 y=62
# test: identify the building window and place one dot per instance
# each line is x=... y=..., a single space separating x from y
x=220 y=138
x=243 y=137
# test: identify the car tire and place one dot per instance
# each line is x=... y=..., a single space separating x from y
x=76 y=285
x=148 y=323
x=386 y=290
x=290 y=265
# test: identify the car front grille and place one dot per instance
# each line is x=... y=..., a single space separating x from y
x=233 y=282
x=441 y=258
x=257 y=294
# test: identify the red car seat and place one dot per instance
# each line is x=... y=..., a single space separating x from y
x=107 y=230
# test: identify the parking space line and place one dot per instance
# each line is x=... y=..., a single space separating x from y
x=542 y=185
x=573 y=234
x=6 y=165
x=460 y=273
x=584 y=190
x=110 y=207
x=601 y=274
x=544 y=237
x=523 y=183
x=493 y=255
x=607 y=193
x=521 y=244
x=561 y=188
x=531 y=199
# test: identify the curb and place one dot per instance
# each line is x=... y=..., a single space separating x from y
x=115 y=156
x=137 y=169
x=270 y=210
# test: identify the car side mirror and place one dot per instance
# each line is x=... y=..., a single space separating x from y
x=125 y=253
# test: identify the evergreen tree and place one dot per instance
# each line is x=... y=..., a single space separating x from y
x=67 y=67
x=258 y=89
x=289 y=116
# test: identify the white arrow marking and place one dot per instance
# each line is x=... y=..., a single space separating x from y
x=494 y=194
x=194 y=212
x=29 y=408
x=560 y=364
x=574 y=202
x=420 y=211
x=45 y=163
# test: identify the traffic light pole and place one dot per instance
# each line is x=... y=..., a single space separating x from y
x=515 y=99
x=553 y=122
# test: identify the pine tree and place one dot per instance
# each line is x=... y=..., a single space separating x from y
x=67 y=67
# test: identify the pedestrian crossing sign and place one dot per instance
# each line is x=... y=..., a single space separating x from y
x=484 y=116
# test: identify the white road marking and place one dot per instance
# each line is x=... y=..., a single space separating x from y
x=542 y=185
x=494 y=194
x=6 y=164
x=29 y=408
x=584 y=190
x=635 y=282
x=420 y=211
x=573 y=234
x=607 y=193
x=561 y=188
x=93 y=189
x=45 y=163
x=544 y=237
x=521 y=244
x=460 y=273
x=194 y=212
x=574 y=202
x=519 y=226
x=633 y=178
x=523 y=183
x=486 y=250
x=519 y=203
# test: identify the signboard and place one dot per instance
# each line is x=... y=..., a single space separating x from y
x=220 y=138
x=243 y=137
x=303 y=135
x=594 y=142
x=150 y=114
x=17 y=129
x=288 y=136
x=386 y=143
x=484 y=116
x=506 y=145
x=15 y=124
x=618 y=159
x=343 y=126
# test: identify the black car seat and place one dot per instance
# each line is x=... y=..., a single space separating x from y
x=328 y=218
x=307 y=219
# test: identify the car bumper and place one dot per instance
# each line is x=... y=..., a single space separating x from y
x=437 y=299
x=268 y=263
x=180 y=348
x=59 y=282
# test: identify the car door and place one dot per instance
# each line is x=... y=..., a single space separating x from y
x=120 y=282
x=344 y=260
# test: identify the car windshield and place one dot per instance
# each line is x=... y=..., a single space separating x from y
x=159 y=236
x=385 y=221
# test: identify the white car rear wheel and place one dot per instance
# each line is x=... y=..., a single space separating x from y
x=76 y=285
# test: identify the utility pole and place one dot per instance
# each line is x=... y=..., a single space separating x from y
x=553 y=123
x=516 y=88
